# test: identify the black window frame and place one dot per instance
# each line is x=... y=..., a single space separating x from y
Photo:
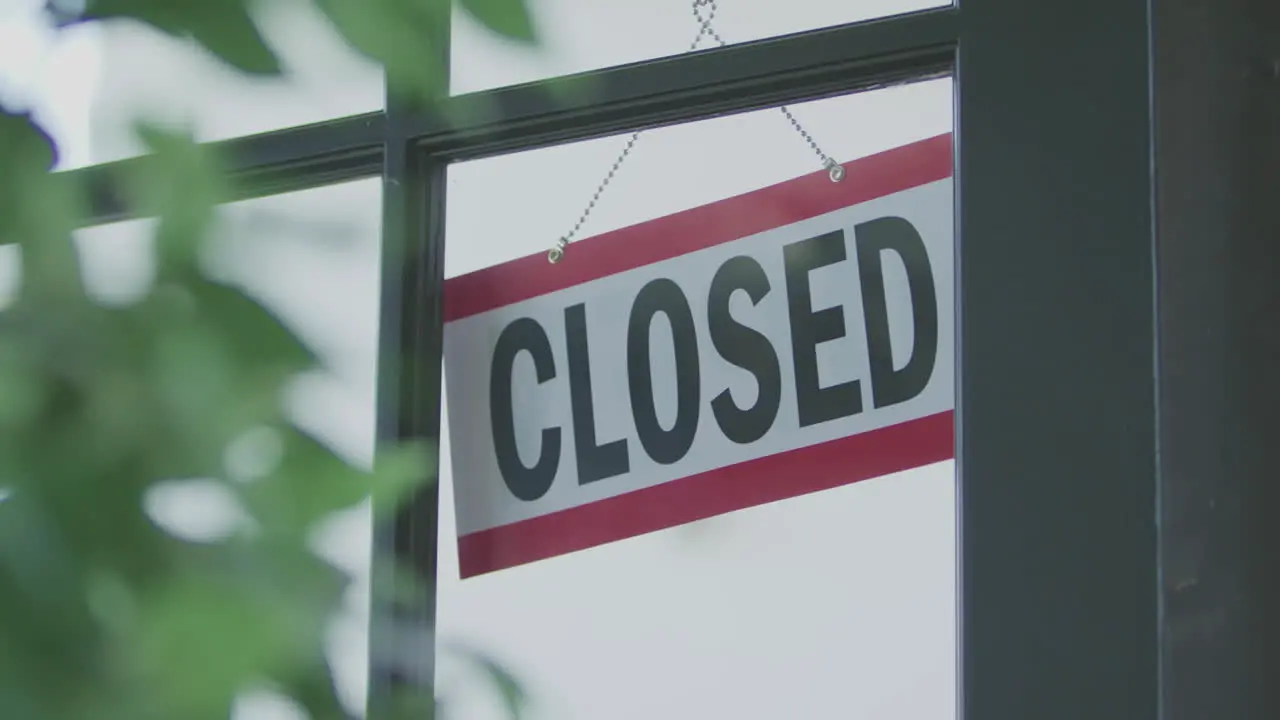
x=1057 y=356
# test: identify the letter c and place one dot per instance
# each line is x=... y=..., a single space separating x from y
x=526 y=483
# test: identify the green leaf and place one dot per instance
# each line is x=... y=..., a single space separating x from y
x=509 y=18
x=38 y=208
x=405 y=36
x=224 y=27
x=199 y=623
x=309 y=484
x=23 y=390
x=411 y=704
x=181 y=182
x=398 y=471
x=41 y=608
x=230 y=615
x=103 y=615
x=25 y=149
x=255 y=336
x=398 y=587
x=499 y=676
x=313 y=687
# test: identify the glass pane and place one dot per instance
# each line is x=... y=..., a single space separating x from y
x=581 y=35
x=804 y=569
x=312 y=258
x=90 y=83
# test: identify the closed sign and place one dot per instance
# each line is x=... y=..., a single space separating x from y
x=783 y=342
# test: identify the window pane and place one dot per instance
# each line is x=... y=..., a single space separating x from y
x=312 y=258
x=140 y=71
x=775 y=590
x=581 y=35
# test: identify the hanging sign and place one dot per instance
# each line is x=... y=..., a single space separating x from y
x=786 y=341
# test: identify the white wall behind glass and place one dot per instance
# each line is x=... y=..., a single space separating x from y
x=836 y=604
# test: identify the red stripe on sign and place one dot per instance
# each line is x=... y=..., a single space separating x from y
x=755 y=482
x=670 y=236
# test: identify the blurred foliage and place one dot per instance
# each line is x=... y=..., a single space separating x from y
x=104 y=614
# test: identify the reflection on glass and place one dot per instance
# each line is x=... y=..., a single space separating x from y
x=581 y=35
x=839 y=603
x=312 y=258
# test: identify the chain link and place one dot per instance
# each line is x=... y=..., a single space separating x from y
x=704 y=13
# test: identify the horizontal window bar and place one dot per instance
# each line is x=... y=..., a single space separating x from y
x=297 y=158
x=749 y=76
x=803 y=66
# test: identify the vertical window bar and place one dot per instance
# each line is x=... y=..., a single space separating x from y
x=1057 y=426
x=411 y=324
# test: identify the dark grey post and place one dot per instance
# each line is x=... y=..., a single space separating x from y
x=1217 y=140
x=1057 y=420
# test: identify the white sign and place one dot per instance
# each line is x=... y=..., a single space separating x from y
x=786 y=341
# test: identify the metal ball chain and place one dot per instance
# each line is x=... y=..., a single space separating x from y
x=557 y=252
x=704 y=12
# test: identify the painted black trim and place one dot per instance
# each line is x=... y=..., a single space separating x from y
x=1057 y=414
x=749 y=76
x=298 y=158
x=409 y=408
x=410 y=361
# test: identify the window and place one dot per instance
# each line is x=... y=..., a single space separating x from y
x=841 y=598
x=583 y=35
x=785 y=605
